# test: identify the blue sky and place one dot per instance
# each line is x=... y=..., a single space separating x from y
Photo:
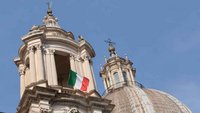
x=161 y=37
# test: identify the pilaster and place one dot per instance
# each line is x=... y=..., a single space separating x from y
x=22 y=79
x=40 y=63
x=53 y=67
x=72 y=63
x=88 y=72
x=111 y=82
x=48 y=67
x=80 y=64
x=121 y=78
x=31 y=51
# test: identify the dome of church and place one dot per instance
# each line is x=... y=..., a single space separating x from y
x=129 y=96
x=134 y=99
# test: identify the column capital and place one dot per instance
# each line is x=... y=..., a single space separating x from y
x=50 y=51
x=38 y=46
x=22 y=71
x=86 y=57
x=72 y=56
x=31 y=49
x=80 y=59
x=107 y=68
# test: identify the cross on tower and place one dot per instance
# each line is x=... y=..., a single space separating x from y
x=110 y=42
x=49 y=12
x=49 y=3
x=111 y=48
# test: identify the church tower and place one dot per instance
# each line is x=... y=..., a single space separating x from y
x=45 y=59
x=117 y=71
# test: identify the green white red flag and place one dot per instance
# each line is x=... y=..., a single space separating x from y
x=77 y=81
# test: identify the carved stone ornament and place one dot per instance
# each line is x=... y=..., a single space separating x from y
x=31 y=49
x=43 y=110
x=22 y=70
x=73 y=110
x=51 y=51
x=72 y=57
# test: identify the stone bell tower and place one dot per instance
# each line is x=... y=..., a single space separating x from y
x=117 y=71
x=44 y=62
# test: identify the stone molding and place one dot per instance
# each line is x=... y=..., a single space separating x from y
x=73 y=110
x=49 y=51
x=54 y=97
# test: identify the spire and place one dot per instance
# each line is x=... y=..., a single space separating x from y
x=49 y=20
x=111 y=48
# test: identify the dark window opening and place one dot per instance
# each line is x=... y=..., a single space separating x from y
x=62 y=68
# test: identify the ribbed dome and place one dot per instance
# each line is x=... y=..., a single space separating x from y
x=130 y=99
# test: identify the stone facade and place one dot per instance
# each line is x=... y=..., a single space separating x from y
x=65 y=100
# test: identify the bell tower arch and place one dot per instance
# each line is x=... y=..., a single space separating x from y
x=46 y=59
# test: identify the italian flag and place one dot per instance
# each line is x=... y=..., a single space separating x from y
x=77 y=81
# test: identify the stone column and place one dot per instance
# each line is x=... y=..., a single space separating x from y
x=48 y=67
x=32 y=63
x=40 y=63
x=22 y=79
x=78 y=70
x=53 y=67
x=80 y=63
x=27 y=73
x=88 y=73
x=72 y=63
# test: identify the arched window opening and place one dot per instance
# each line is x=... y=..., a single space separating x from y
x=116 y=77
x=125 y=78
x=62 y=68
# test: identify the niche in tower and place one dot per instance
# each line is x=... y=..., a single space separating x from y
x=62 y=68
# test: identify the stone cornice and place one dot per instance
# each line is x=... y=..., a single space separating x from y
x=114 y=61
x=39 y=93
x=17 y=61
x=62 y=31
x=33 y=36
